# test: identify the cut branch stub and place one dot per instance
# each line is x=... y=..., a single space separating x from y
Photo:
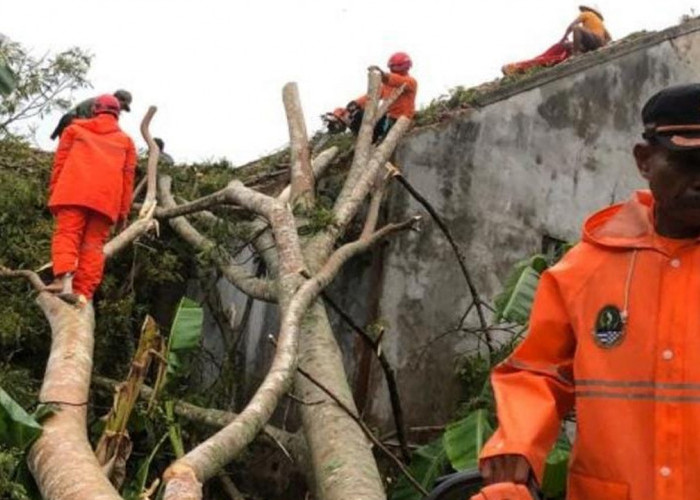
x=301 y=174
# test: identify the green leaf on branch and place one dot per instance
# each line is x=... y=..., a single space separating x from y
x=464 y=439
x=186 y=331
x=427 y=464
x=515 y=302
x=134 y=489
x=17 y=427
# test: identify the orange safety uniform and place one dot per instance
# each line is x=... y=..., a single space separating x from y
x=503 y=491
x=405 y=104
x=615 y=333
x=90 y=189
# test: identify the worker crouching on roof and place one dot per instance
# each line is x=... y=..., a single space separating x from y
x=405 y=105
x=90 y=190
x=615 y=333
x=588 y=30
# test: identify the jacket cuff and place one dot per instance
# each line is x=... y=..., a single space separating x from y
x=498 y=446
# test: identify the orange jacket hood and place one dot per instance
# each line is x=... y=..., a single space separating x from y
x=101 y=124
x=625 y=225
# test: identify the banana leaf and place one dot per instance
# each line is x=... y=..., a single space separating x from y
x=515 y=302
x=427 y=464
x=464 y=439
x=17 y=427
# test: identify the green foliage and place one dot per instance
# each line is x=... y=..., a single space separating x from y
x=10 y=487
x=185 y=336
x=133 y=489
x=17 y=428
x=427 y=464
x=318 y=219
x=515 y=302
x=41 y=84
x=464 y=439
x=556 y=469
x=457 y=98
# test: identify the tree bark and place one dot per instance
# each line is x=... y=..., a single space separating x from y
x=61 y=460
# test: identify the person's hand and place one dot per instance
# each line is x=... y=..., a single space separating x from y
x=505 y=468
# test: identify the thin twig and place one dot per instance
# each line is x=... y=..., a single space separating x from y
x=458 y=253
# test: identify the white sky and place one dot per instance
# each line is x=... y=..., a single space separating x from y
x=215 y=69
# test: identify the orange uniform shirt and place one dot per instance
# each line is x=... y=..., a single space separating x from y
x=592 y=23
x=405 y=105
x=615 y=334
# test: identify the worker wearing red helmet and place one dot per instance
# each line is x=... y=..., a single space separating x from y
x=90 y=190
x=405 y=105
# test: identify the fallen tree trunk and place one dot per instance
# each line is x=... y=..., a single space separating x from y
x=63 y=453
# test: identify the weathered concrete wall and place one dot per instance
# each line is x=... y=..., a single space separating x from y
x=503 y=176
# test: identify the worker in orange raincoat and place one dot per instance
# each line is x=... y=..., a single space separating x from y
x=90 y=190
x=405 y=105
x=615 y=334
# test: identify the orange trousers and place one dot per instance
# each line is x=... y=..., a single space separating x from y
x=76 y=246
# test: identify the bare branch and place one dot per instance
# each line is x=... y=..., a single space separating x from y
x=236 y=275
x=329 y=270
x=126 y=237
x=318 y=165
x=375 y=205
x=31 y=276
x=302 y=180
x=210 y=417
x=458 y=254
x=152 y=168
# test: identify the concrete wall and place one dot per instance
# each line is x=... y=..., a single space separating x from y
x=532 y=163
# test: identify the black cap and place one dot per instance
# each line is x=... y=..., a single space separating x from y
x=124 y=97
x=672 y=117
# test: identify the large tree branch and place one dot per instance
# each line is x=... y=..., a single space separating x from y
x=212 y=417
x=236 y=275
x=61 y=460
x=184 y=477
x=302 y=179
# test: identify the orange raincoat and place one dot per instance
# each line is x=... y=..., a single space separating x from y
x=90 y=189
x=94 y=167
x=615 y=333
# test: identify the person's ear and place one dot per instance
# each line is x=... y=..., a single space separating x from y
x=643 y=153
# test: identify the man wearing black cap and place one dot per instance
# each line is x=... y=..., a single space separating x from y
x=84 y=109
x=615 y=334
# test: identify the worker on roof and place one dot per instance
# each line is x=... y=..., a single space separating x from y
x=84 y=109
x=589 y=32
x=405 y=105
x=90 y=190
x=615 y=334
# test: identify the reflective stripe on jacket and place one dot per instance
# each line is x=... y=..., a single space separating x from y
x=635 y=383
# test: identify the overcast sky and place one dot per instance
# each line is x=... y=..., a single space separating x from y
x=215 y=69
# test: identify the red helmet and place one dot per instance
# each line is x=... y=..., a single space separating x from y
x=106 y=103
x=400 y=62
